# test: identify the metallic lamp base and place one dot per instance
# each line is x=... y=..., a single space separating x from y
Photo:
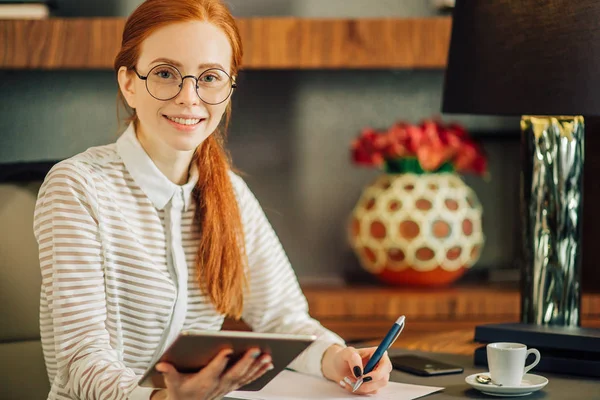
x=551 y=210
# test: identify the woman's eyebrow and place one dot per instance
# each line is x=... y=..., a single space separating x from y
x=168 y=61
x=178 y=64
x=211 y=65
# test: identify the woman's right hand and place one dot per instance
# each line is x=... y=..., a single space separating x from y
x=212 y=381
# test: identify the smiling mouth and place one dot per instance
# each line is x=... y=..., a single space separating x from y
x=185 y=121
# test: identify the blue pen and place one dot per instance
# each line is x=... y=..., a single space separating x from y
x=385 y=344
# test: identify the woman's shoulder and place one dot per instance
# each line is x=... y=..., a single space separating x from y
x=240 y=187
x=82 y=168
x=237 y=181
x=94 y=157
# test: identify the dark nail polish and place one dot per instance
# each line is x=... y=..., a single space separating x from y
x=357 y=371
x=367 y=379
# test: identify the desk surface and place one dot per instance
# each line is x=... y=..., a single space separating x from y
x=559 y=387
x=457 y=347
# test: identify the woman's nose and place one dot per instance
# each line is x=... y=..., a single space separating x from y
x=188 y=93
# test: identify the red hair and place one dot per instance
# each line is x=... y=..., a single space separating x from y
x=221 y=253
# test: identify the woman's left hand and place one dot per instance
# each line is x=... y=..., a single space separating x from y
x=345 y=366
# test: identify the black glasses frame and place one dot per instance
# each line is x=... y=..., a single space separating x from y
x=183 y=78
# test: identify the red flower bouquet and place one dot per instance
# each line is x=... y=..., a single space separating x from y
x=428 y=147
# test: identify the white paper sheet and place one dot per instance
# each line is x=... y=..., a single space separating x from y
x=289 y=385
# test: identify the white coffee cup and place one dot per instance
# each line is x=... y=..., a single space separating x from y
x=506 y=362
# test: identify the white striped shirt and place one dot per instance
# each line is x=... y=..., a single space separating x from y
x=117 y=245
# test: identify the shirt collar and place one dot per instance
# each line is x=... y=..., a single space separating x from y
x=157 y=187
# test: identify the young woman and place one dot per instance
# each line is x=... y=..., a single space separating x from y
x=153 y=234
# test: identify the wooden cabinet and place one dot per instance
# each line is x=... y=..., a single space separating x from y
x=359 y=313
x=362 y=313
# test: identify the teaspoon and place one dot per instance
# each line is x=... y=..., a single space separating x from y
x=485 y=380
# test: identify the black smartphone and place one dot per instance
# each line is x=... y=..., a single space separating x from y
x=422 y=366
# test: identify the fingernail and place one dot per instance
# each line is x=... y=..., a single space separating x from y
x=367 y=379
x=255 y=354
x=343 y=384
x=265 y=360
x=357 y=371
x=270 y=367
x=348 y=381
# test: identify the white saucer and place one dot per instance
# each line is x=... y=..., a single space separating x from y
x=529 y=384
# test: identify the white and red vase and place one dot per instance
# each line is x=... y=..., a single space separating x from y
x=417 y=228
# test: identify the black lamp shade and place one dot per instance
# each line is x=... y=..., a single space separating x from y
x=524 y=57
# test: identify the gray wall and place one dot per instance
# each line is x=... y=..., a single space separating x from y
x=290 y=133
x=242 y=8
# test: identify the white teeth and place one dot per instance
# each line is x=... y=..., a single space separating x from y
x=184 y=121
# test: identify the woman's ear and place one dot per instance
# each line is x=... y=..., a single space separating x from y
x=127 y=85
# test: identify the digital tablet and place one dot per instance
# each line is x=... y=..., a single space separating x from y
x=192 y=350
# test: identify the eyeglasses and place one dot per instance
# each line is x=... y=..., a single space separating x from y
x=164 y=82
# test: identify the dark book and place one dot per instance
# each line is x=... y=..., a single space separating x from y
x=573 y=339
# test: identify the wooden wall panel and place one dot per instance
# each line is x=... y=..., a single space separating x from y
x=270 y=43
